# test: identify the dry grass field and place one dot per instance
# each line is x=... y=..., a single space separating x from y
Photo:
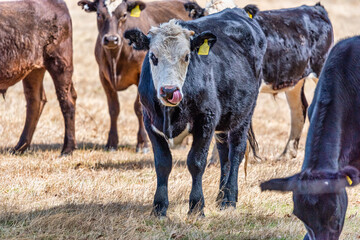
x=96 y=194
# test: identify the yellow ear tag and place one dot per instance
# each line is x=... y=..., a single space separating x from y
x=349 y=180
x=250 y=15
x=204 y=48
x=135 y=12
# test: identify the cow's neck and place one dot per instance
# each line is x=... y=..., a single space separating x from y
x=323 y=146
x=112 y=58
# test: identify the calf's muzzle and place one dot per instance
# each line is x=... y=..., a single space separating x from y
x=171 y=94
x=111 y=41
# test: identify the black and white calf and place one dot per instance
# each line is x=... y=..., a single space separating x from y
x=298 y=43
x=183 y=92
x=332 y=155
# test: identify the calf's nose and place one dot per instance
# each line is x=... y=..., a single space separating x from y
x=111 y=41
x=167 y=91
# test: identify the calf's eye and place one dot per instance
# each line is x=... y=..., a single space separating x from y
x=153 y=59
x=187 y=58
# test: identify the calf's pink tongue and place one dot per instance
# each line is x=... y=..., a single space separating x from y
x=176 y=98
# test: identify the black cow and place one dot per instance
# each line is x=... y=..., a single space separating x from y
x=332 y=155
x=298 y=42
x=183 y=92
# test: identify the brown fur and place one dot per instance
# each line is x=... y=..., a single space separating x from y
x=128 y=62
x=34 y=37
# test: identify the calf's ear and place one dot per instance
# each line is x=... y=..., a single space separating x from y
x=137 y=39
x=195 y=11
x=88 y=6
x=132 y=4
x=199 y=40
x=251 y=10
x=280 y=184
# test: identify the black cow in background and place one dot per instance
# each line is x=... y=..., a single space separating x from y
x=298 y=43
x=183 y=92
x=332 y=155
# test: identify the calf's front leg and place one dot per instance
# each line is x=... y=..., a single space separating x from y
x=196 y=163
x=163 y=165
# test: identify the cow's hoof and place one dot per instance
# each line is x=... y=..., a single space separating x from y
x=143 y=150
x=110 y=148
x=158 y=214
x=226 y=199
x=226 y=204
x=287 y=156
x=66 y=154
x=20 y=148
x=196 y=214
x=67 y=151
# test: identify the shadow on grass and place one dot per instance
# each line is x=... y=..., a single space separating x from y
x=58 y=147
x=118 y=220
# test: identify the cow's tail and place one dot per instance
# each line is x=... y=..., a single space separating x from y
x=253 y=143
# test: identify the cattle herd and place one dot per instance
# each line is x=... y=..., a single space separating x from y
x=199 y=72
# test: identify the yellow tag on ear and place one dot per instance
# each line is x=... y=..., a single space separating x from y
x=250 y=15
x=135 y=12
x=204 y=48
x=349 y=180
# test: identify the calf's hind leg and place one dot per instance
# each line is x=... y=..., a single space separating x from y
x=298 y=106
x=142 y=142
x=237 y=148
x=35 y=101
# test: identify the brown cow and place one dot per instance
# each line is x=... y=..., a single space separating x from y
x=119 y=64
x=36 y=36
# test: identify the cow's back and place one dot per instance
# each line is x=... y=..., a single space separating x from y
x=299 y=40
x=232 y=70
x=28 y=30
x=334 y=116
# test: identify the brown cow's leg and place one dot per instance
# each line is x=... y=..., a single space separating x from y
x=114 y=111
x=142 y=144
x=298 y=106
x=35 y=101
x=59 y=65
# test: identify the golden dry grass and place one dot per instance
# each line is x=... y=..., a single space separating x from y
x=108 y=195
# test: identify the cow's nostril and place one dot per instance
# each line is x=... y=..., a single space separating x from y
x=111 y=41
x=168 y=91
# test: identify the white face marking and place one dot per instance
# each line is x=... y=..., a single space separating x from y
x=111 y=5
x=170 y=46
x=174 y=142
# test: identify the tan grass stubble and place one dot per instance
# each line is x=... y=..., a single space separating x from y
x=108 y=195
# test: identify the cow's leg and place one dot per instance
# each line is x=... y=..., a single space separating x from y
x=237 y=148
x=114 y=111
x=35 y=101
x=142 y=144
x=222 y=147
x=196 y=163
x=163 y=165
x=298 y=106
x=59 y=65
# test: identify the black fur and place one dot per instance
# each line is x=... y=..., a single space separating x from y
x=332 y=154
x=137 y=39
x=220 y=93
x=195 y=11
